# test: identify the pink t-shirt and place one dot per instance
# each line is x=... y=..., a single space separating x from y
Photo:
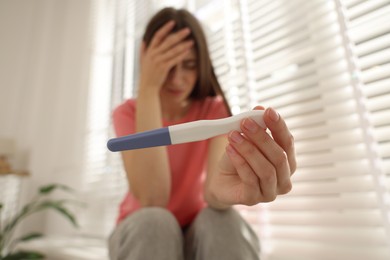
x=187 y=160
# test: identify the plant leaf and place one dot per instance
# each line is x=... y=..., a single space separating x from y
x=24 y=255
x=74 y=202
x=32 y=208
x=58 y=207
x=30 y=236
x=51 y=187
x=23 y=212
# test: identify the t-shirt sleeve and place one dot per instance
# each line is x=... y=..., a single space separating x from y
x=124 y=119
x=217 y=108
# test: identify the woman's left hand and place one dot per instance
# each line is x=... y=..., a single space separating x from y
x=256 y=167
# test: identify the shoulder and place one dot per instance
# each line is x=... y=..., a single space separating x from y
x=213 y=108
x=123 y=118
x=127 y=108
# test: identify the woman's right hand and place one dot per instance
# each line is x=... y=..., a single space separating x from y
x=164 y=51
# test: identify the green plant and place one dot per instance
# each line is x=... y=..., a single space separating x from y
x=39 y=203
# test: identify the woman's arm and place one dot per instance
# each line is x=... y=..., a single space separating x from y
x=148 y=170
x=215 y=152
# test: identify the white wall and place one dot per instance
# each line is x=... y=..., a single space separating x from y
x=45 y=50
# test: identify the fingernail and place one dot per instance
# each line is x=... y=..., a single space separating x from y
x=251 y=125
x=273 y=115
x=236 y=137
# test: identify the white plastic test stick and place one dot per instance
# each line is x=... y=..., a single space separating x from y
x=184 y=133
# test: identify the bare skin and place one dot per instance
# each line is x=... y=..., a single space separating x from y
x=246 y=168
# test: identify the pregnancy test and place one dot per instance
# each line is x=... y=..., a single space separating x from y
x=184 y=133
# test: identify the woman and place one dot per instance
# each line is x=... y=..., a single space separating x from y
x=173 y=211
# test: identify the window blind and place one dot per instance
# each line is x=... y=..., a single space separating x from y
x=294 y=56
x=324 y=65
x=96 y=183
x=369 y=31
x=119 y=25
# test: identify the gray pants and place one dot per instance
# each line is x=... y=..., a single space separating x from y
x=154 y=233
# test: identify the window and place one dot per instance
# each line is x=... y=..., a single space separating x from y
x=325 y=66
x=112 y=75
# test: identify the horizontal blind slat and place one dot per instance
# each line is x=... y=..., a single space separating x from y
x=334 y=186
x=327 y=203
x=308 y=250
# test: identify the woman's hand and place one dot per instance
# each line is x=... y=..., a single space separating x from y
x=255 y=167
x=164 y=51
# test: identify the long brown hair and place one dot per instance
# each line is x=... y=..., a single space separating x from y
x=207 y=83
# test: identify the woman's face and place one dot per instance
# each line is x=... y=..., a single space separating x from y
x=181 y=79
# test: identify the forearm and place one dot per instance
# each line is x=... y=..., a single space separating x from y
x=149 y=172
x=150 y=182
x=216 y=148
x=148 y=111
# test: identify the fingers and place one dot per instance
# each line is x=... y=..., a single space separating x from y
x=246 y=173
x=160 y=35
x=163 y=39
x=274 y=154
x=271 y=159
x=173 y=39
x=178 y=52
x=249 y=162
x=259 y=108
x=282 y=135
x=167 y=48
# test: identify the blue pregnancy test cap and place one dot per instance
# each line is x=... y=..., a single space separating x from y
x=152 y=138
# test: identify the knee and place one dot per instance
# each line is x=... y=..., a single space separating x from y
x=220 y=225
x=154 y=215
x=226 y=234
x=210 y=219
x=146 y=232
x=152 y=219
